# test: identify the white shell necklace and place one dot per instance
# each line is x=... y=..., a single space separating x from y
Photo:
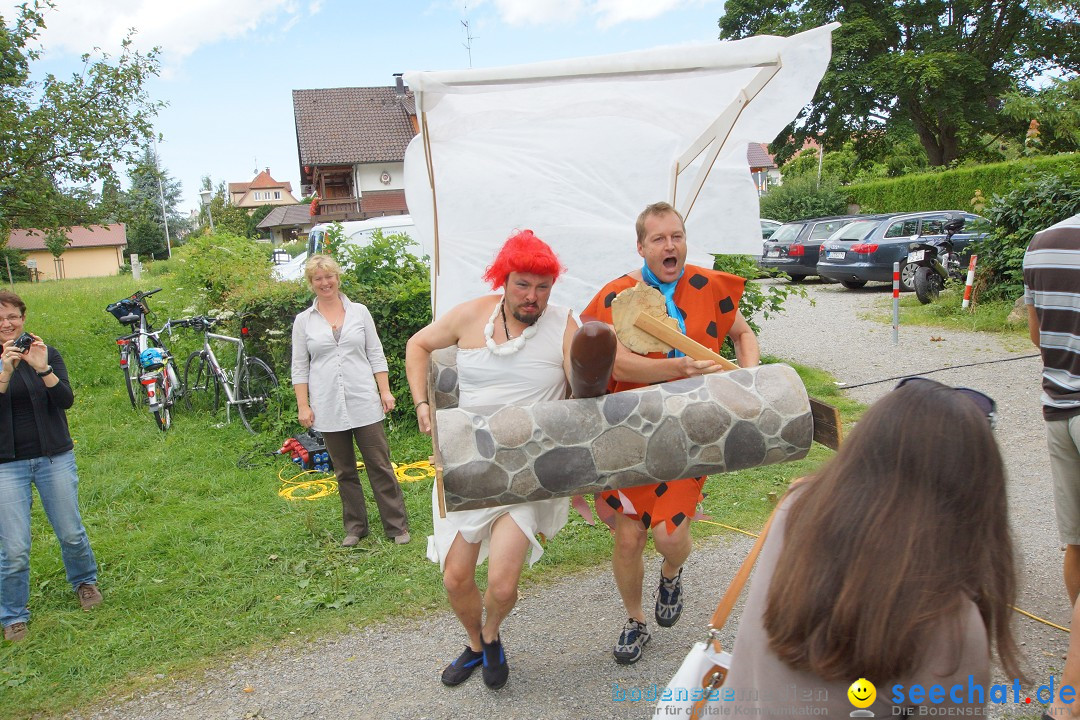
x=510 y=346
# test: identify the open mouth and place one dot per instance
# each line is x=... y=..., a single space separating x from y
x=671 y=262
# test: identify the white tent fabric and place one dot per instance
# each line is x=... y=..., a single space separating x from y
x=575 y=149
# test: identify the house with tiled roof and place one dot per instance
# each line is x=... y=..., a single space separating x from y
x=287 y=223
x=94 y=251
x=263 y=190
x=351 y=145
x=762 y=166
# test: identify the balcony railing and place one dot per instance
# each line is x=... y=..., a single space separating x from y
x=338 y=209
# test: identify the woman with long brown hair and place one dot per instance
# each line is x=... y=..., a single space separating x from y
x=893 y=564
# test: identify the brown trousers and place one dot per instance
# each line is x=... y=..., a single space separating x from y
x=384 y=485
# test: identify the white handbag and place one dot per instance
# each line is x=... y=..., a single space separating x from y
x=697 y=681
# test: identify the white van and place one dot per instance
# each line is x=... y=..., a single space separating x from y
x=357 y=232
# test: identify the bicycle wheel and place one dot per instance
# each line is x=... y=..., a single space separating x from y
x=201 y=389
x=257 y=383
x=131 y=378
x=163 y=415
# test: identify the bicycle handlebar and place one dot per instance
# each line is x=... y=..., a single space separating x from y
x=198 y=322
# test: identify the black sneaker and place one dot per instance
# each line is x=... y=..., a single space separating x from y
x=496 y=671
x=632 y=639
x=459 y=671
x=669 y=600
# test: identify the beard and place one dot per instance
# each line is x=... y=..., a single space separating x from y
x=527 y=317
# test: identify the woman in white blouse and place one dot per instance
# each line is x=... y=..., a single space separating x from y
x=340 y=377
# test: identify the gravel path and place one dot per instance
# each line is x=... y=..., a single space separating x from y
x=558 y=639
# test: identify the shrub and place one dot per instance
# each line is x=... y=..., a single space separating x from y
x=802 y=198
x=220 y=264
x=294 y=248
x=1037 y=200
x=755 y=302
x=384 y=276
x=396 y=288
x=13 y=260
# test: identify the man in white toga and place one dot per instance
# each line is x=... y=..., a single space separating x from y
x=512 y=348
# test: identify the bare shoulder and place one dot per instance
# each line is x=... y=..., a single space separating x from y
x=471 y=312
x=461 y=325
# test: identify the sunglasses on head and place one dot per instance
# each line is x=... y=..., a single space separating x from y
x=984 y=402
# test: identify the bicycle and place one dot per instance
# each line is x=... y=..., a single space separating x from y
x=248 y=386
x=134 y=312
x=157 y=373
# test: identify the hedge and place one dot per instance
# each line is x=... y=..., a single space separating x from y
x=951 y=189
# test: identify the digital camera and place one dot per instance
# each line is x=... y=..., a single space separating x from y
x=23 y=342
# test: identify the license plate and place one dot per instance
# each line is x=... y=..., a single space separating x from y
x=835 y=255
x=916 y=256
x=774 y=253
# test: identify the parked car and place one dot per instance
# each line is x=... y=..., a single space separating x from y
x=865 y=251
x=768 y=227
x=793 y=248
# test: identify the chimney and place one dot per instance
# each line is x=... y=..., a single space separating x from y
x=399 y=84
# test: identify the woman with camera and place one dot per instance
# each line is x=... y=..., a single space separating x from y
x=36 y=449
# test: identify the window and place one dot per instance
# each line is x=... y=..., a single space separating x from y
x=904 y=228
x=933 y=227
x=277 y=194
x=257 y=195
x=823 y=230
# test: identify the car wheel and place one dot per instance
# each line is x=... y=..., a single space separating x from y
x=853 y=284
x=907 y=276
x=797 y=278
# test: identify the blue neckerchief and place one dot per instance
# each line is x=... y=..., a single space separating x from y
x=668 y=291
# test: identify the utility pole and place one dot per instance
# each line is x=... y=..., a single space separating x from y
x=161 y=196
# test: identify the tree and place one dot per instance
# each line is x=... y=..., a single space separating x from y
x=59 y=138
x=938 y=68
x=143 y=206
x=57 y=241
x=1055 y=109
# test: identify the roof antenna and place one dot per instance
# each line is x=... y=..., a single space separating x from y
x=469 y=37
x=256 y=170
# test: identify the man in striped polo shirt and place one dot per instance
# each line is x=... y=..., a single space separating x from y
x=1052 y=294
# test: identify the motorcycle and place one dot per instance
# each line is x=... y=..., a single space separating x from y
x=937 y=261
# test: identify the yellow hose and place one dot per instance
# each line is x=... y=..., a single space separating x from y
x=324 y=484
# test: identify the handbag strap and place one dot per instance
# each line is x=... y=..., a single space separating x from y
x=731 y=595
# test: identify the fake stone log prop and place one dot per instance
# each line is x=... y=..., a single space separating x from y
x=686 y=428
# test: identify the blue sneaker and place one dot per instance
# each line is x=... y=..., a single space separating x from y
x=459 y=671
x=669 y=601
x=632 y=639
x=496 y=671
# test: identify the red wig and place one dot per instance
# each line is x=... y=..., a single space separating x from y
x=523 y=252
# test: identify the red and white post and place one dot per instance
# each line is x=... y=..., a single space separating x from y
x=895 y=303
x=969 y=283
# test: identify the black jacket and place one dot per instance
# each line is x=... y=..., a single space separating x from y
x=49 y=406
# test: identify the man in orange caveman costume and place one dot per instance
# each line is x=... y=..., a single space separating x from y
x=706 y=304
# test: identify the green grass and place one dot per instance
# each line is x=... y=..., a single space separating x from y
x=199 y=558
x=947 y=312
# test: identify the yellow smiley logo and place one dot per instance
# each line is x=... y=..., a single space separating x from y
x=862 y=693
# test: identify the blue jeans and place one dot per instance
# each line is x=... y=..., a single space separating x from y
x=58 y=487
